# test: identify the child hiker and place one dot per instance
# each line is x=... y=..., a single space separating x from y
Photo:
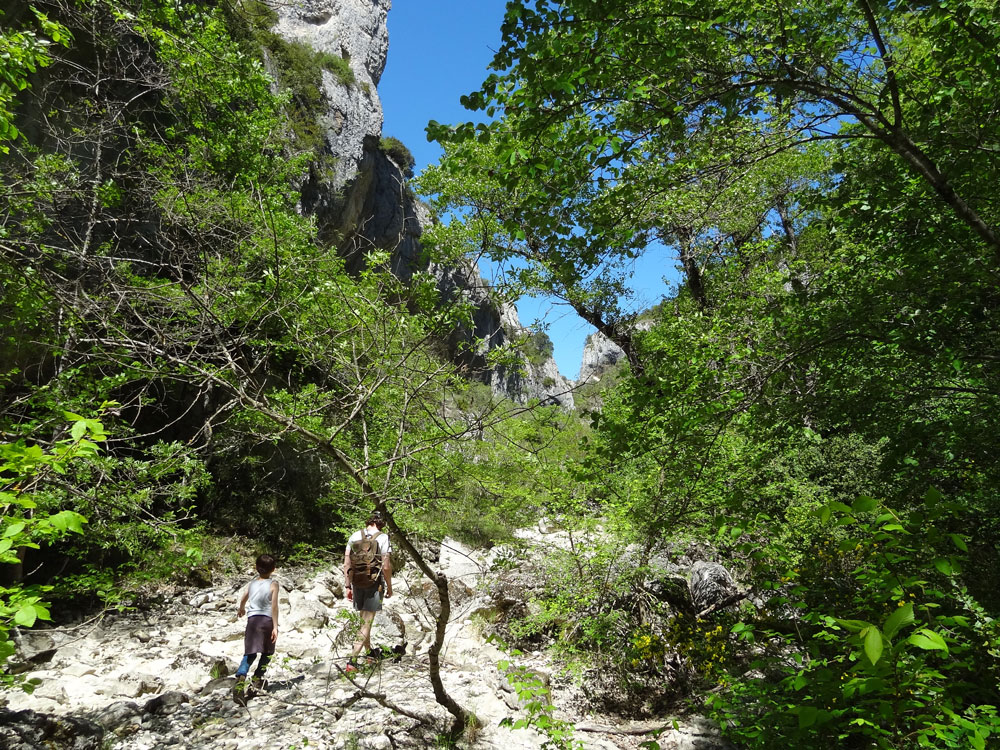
x=260 y=602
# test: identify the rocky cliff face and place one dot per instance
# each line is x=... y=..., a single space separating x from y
x=340 y=196
x=356 y=31
x=600 y=354
x=363 y=201
x=538 y=379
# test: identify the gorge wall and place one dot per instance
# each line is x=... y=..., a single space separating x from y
x=362 y=202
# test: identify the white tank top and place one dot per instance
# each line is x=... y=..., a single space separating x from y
x=259 y=601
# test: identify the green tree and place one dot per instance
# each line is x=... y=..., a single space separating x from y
x=26 y=470
x=186 y=284
x=820 y=173
x=22 y=52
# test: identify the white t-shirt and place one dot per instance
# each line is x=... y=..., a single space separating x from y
x=383 y=541
x=259 y=600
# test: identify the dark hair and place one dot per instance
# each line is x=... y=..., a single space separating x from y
x=375 y=519
x=265 y=565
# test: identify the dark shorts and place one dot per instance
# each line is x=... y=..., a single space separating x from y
x=367 y=599
x=257 y=639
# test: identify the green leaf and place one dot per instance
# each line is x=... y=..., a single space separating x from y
x=78 y=430
x=67 y=520
x=902 y=616
x=25 y=616
x=807 y=716
x=873 y=644
x=959 y=541
x=944 y=566
x=9 y=498
x=14 y=528
x=855 y=626
x=928 y=640
x=864 y=504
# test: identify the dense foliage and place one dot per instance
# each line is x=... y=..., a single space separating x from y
x=822 y=175
x=158 y=276
x=183 y=359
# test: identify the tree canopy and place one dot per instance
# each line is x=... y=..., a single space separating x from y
x=823 y=175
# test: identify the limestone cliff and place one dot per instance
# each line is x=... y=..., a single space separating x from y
x=364 y=203
x=539 y=377
x=600 y=354
x=351 y=124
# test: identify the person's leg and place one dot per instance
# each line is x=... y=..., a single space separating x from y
x=244 y=668
x=264 y=660
x=240 y=694
x=364 y=634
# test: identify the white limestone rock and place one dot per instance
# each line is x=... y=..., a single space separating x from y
x=600 y=354
x=355 y=30
x=305 y=612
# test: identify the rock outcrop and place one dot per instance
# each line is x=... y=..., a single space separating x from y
x=356 y=31
x=711 y=585
x=363 y=202
x=537 y=379
x=600 y=354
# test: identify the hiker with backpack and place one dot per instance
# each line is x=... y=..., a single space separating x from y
x=367 y=574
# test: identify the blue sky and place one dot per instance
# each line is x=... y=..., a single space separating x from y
x=438 y=51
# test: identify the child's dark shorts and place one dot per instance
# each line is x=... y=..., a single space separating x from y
x=257 y=639
x=367 y=599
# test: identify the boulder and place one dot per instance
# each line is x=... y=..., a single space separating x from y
x=334 y=585
x=460 y=563
x=34 y=648
x=306 y=613
x=389 y=630
x=166 y=704
x=118 y=714
x=28 y=730
x=710 y=585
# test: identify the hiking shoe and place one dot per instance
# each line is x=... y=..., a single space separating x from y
x=240 y=692
x=258 y=684
x=351 y=667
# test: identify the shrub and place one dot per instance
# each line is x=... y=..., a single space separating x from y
x=25 y=473
x=299 y=66
x=396 y=150
x=591 y=605
x=339 y=66
x=888 y=651
x=538 y=347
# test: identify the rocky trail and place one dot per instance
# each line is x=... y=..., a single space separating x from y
x=162 y=678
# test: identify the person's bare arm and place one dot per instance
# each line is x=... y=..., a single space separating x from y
x=243 y=602
x=274 y=611
x=387 y=572
x=347 y=572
